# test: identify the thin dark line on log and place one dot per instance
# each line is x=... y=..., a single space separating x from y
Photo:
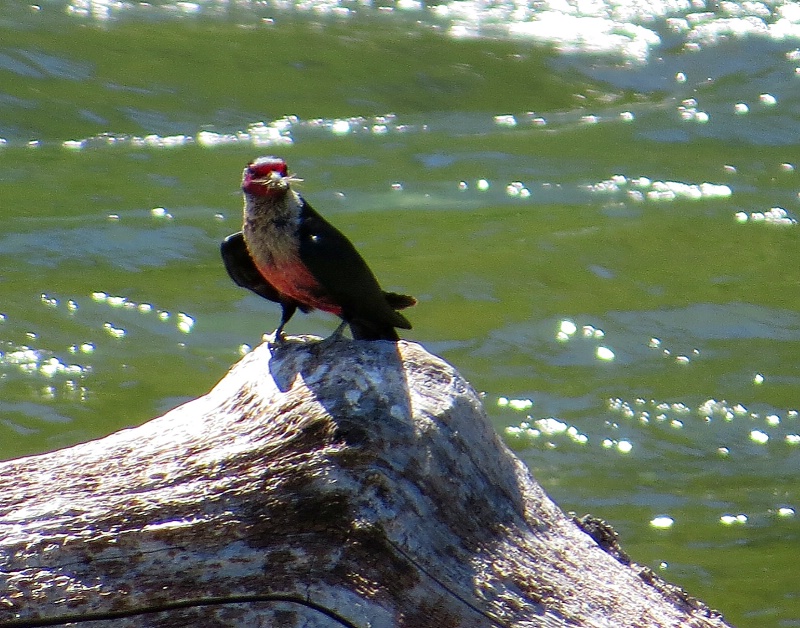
x=445 y=587
x=171 y=606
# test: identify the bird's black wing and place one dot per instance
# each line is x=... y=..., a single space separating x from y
x=344 y=274
x=242 y=269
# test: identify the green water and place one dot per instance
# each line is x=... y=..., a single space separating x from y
x=114 y=313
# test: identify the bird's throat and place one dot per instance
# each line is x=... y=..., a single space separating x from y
x=271 y=225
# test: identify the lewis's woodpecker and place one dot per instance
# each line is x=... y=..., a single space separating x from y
x=288 y=253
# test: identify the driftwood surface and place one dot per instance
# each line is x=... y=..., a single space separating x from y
x=319 y=484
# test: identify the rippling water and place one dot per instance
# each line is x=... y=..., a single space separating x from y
x=595 y=203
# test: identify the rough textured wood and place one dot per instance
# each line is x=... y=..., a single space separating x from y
x=317 y=485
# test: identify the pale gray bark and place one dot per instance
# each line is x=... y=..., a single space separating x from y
x=317 y=485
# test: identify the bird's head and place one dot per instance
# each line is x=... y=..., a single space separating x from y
x=267 y=177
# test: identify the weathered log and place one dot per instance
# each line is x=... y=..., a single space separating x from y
x=317 y=485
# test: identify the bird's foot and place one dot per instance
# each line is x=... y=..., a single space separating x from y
x=276 y=338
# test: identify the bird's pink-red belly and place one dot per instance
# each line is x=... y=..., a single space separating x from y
x=295 y=281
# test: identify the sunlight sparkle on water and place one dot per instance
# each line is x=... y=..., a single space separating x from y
x=515 y=404
x=116 y=332
x=768 y=100
x=54 y=366
x=22 y=356
x=590 y=331
x=550 y=426
x=623 y=446
x=516 y=188
x=774 y=216
x=682 y=416
x=662 y=522
x=258 y=134
x=340 y=127
x=527 y=432
x=505 y=120
x=604 y=353
x=31 y=362
x=620 y=28
x=185 y=323
x=643 y=188
x=566 y=329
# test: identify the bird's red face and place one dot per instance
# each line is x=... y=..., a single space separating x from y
x=266 y=176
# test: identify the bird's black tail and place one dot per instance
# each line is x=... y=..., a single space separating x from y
x=376 y=330
x=399 y=301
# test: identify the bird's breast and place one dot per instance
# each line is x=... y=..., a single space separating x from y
x=275 y=249
x=271 y=242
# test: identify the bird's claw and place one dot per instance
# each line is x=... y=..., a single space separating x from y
x=277 y=337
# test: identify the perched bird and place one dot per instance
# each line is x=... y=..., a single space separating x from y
x=288 y=253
